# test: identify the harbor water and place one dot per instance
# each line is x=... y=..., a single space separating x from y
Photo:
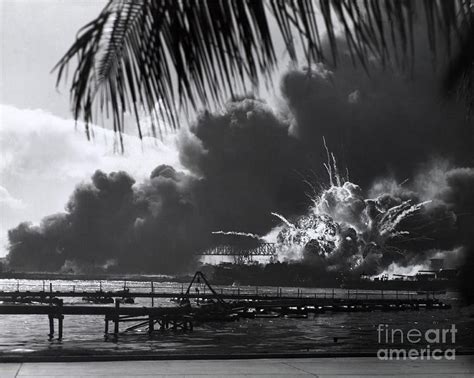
x=340 y=332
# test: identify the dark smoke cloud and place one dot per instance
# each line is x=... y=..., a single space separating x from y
x=384 y=121
x=154 y=226
x=378 y=124
x=35 y=248
x=250 y=164
x=445 y=228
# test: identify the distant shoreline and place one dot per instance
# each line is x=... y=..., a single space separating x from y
x=225 y=277
x=94 y=277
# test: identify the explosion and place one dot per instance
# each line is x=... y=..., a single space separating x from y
x=318 y=232
x=345 y=230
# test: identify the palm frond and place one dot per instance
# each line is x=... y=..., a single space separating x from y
x=138 y=54
x=459 y=77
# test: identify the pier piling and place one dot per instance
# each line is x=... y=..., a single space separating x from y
x=116 y=317
x=151 y=324
x=152 y=296
x=60 y=326
x=106 y=321
x=51 y=326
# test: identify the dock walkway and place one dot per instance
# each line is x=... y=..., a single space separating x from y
x=463 y=366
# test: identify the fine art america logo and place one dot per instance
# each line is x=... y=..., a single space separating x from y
x=430 y=344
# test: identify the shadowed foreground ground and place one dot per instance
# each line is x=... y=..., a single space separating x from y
x=352 y=366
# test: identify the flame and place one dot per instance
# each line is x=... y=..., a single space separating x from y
x=236 y=233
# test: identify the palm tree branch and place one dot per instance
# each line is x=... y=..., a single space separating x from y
x=156 y=55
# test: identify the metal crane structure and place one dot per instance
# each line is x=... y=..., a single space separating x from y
x=241 y=254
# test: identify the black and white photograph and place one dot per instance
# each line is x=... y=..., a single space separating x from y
x=236 y=188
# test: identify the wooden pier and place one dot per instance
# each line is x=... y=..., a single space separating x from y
x=183 y=317
x=202 y=306
x=229 y=294
x=165 y=317
x=44 y=296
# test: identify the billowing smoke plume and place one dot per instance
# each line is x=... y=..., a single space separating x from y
x=380 y=125
x=250 y=165
x=110 y=222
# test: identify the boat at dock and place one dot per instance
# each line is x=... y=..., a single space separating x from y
x=98 y=299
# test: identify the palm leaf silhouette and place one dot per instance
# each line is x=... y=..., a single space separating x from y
x=179 y=53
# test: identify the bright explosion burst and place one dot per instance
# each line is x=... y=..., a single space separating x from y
x=344 y=230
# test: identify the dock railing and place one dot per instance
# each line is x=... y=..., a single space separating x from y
x=154 y=290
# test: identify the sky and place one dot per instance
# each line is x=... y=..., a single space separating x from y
x=34 y=36
x=43 y=156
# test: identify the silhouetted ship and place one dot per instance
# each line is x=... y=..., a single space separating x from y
x=423 y=282
x=437 y=279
